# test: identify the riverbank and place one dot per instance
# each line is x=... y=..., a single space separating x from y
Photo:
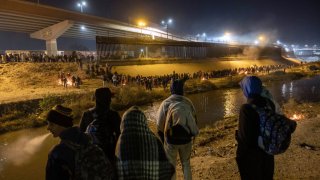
x=215 y=148
x=22 y=108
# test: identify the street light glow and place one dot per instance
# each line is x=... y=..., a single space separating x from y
x=141 y=23
x=166 y=24
x=81 y=5
x=261 y=38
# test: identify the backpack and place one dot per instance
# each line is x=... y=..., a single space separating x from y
x=102 y=133
x=90 y=162
x=176 y=133
x=275 y=130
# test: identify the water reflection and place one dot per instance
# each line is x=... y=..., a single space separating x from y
x=214 y=105
x=306 y=90
x=291 y=90
x=204 y=103
x=284 y=90
x=230 y=103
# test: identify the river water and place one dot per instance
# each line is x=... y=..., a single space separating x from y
x=23 y=154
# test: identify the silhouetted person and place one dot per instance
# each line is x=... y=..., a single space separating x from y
x=252 y=161
x=75 y=157
x=140 y=154
x=107 y=119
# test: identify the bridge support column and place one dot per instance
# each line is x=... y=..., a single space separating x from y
x=50 y=35
x=51 y=46
x=146 y=51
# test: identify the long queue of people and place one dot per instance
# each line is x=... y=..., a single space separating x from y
x=41 y=58
x=106 y=146
x=150 y=82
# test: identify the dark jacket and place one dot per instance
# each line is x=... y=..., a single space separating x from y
x=61 y=159
x=252 y=161
x=87 y=118
x=112 y=122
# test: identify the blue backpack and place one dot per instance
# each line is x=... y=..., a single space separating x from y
x=275 y=130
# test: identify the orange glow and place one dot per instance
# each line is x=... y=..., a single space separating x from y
x=297 y=117
x=141 y=23
x=261 y=38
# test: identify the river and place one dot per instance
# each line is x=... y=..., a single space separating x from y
x=23 y=154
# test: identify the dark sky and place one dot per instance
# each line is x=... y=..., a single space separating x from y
x=291 y=21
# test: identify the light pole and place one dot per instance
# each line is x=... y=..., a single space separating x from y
x=81 y=5
x=166 y=24
x=141 y=24
x=198 y=35
x=204 y=37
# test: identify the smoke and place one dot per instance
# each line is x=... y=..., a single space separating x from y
x=251 y=52
x=22 y=149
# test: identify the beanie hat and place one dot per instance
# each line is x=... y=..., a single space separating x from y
x=60 y=115
x=177 y=87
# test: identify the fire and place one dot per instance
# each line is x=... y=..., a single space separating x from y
x=297 y=117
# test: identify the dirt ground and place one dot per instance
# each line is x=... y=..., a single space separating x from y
x=216 y=159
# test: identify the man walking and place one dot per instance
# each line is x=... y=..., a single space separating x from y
x=177 y=125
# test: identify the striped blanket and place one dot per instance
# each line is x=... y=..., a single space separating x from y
x=140 y=154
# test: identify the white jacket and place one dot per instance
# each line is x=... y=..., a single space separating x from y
x=187 y=117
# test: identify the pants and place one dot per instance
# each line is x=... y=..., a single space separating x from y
x=184 y=151
x=255 y=165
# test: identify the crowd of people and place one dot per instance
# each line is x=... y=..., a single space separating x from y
x=94 y=70
x=131 y=150
x=106 y=146
x=157 y=81
x=42 y=57
x=68 y=79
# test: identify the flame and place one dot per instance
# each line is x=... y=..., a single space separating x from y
x=297 y=117
x=69 y=82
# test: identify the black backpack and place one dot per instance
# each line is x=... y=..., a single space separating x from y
x=90 y=162
x=102 y=133
x=275 y=130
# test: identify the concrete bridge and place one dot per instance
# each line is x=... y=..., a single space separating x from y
x=49 y=23
x=133 y=48
x=114 y=39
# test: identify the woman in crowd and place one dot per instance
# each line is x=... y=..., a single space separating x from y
x=140 y=154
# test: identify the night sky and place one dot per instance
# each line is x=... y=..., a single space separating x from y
x=290 y=21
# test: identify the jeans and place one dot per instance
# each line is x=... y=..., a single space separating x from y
x=184 y=151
